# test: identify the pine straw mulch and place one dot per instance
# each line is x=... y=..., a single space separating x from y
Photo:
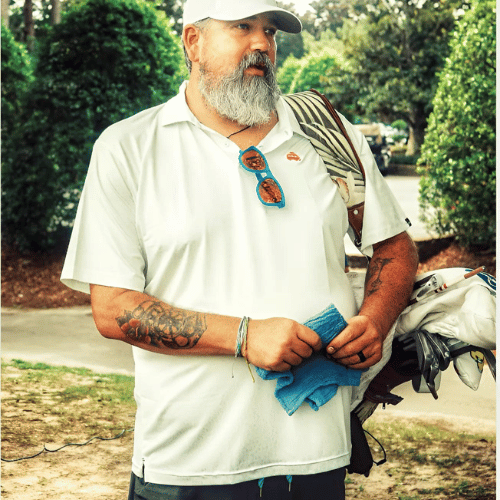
x=33 y=280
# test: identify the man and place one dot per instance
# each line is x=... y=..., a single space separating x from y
x=177 y=243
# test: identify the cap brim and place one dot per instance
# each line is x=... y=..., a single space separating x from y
x=284 y=20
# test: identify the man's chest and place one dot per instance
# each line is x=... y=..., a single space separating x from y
x=192 y=194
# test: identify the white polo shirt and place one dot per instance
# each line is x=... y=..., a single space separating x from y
x=168 y=210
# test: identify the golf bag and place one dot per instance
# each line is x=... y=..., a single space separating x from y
x=450 y=319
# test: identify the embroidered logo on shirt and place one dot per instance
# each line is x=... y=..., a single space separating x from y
x=293 y=156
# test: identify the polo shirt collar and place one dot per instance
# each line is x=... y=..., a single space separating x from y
x=176 y=109
x=287 y=120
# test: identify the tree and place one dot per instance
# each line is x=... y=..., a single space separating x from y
x=16 y=80
x=458 y=187
x=306 y=73
x=288 y=44
x=30 y=20
x=287 y=73
x=393 y=56
x=29 y=25
x=55 y=12
x=130 y=62
x=5 y=13
x=329 y=15
x=173 y=11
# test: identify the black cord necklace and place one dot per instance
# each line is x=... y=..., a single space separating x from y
x=238 y=131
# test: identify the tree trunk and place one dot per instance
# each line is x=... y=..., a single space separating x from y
x=55 y=13
x=417 y=125
x=5 y=13
x=29 y=25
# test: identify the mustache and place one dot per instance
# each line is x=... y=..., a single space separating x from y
x=257 y=59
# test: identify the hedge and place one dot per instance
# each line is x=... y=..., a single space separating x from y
x=458 y=186
x=106 y=60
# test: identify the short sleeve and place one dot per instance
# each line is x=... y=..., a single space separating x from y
x=104 y=248
x=383 y=217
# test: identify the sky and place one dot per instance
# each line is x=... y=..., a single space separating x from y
x=300 y=5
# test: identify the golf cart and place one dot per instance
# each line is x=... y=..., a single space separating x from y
x=376 y=138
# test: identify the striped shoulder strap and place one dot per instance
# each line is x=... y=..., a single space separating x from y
x=323 y=126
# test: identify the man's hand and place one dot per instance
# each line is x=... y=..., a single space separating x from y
x=277 y=344
x=389 y=282
x=360 y=336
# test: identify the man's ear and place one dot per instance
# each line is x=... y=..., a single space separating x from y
x=191 y=36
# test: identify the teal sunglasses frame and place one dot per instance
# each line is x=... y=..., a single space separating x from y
x=262 y=175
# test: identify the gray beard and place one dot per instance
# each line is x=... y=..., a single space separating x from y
x=247 y=100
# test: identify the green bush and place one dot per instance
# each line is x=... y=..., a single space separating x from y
x=288 y=44
x=399 y=125
x=287 y=72
x=404 y=159
x=457 y=190
x=298 y=75
x=16 y=79
x=105 y=61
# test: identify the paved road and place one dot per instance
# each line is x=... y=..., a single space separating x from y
x=69 y=337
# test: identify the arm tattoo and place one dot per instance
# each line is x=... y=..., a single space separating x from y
x=373 y=281
x=159 y=326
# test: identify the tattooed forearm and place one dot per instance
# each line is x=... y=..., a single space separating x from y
x=373 y=280
x=157 y=325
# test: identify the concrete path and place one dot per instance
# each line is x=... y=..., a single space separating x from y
x=65 y=336
x=69 y=337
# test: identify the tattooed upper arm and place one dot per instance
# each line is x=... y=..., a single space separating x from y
x=158 y=325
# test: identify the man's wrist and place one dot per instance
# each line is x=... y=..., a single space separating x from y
x=241 y=338
x=381 y=325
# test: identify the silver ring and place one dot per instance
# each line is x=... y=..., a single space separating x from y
x=362 y=357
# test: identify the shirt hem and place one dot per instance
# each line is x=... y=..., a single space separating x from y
x=158 y=477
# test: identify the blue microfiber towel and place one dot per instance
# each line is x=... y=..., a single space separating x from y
x=317 y=378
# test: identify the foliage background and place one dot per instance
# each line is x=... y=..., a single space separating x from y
x=393 y=54
x=458 y=187
x=297 y=75
x=376 y=60
x=105 y=61
x=17 y=75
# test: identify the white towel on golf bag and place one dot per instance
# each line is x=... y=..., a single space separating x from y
x=465 y=311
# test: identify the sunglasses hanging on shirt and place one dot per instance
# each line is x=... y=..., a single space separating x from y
x=268 y=188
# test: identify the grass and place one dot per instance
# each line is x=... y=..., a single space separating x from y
x=430 y=462
x=44 y=404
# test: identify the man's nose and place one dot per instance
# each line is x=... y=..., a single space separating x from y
x=261 y=41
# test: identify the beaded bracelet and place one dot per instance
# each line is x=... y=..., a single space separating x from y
x=242 y=337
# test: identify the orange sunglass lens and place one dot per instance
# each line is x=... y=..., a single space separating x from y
x=253 y=160
x=269 y=191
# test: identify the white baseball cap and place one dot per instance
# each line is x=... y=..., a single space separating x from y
x=233 y=10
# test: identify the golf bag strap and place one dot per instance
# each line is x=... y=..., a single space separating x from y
x=319 y=120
